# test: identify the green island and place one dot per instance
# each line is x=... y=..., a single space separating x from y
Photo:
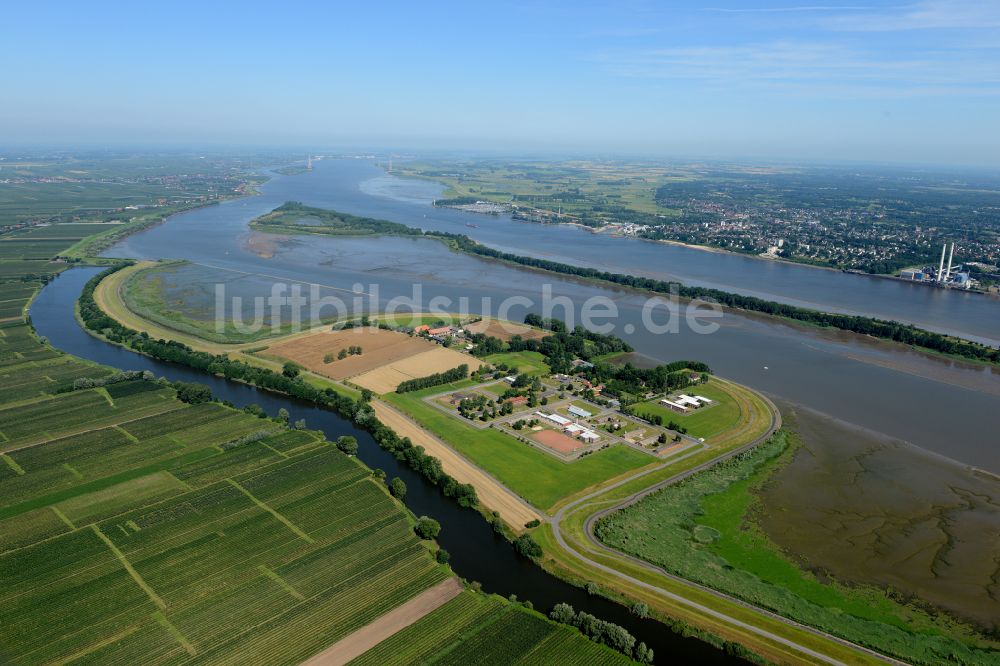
x=906 y=334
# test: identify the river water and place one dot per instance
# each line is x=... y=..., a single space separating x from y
x=478 y=554
x=359 y=187
x=948 y=407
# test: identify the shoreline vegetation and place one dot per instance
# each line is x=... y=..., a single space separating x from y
x=359 y=411
x=618 y=199
x=136 y=470
x=704 y=529
x=356 y=410
x=343 y=228
x=286 y=218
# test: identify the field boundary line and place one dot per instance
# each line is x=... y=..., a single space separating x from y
x=174 y=632
x=103 y=392
x=284 y=584
x=62 y=516
x=17 y=469
x=287 y=523
x=48 y=437
x=96 y=646
x=280 y=453
x=125 y=433
x=155 y=598
x=181 y=482
x=73 y=470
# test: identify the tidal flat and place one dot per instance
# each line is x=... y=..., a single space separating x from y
x=862 y=508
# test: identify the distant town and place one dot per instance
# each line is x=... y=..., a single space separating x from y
x=878 y=223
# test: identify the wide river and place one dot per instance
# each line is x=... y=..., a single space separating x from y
x=947 y=407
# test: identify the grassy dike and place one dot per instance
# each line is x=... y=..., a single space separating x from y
x=675 y=615
x=701 y=529
x=754 y=421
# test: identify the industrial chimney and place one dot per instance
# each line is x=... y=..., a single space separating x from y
x=940 y=273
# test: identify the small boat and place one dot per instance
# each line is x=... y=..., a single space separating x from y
x=471 y=225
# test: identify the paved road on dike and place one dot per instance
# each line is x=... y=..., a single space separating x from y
x=556 y=522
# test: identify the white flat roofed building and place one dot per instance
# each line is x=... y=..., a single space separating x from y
x=578 y=411
x=555 y=418
x=674 y=405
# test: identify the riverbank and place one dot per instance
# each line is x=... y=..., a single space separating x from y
x=557 y=219
x=766 y=647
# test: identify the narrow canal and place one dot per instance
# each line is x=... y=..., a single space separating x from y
x=478 y=554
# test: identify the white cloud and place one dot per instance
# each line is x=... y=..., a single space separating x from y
x=812 y=67
x=925 y=15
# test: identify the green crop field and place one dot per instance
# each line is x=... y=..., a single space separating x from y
x=135 y=528
x=137 y=537
x=536 y=476
x=525 y=362
x=478 y=629
x=704 y=422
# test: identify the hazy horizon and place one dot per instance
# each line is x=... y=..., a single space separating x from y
x=880 y=83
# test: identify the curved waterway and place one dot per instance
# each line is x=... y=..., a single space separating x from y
x=478 y=554
x=948 y=407
x=361 y=188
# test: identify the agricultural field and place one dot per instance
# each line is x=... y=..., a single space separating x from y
x=538 y=477
x=474 y=628
x=387 y=377
x=98 y=188
x=386 y=358
x=505 y=330
x=163 y=532
x=524 y=362
x=137 y=528
x=703 y=529
x=378 y=347
x=576 y=191
x=706 y=421
x=184 y=566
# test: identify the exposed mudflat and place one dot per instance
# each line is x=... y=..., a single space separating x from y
x=863 y=508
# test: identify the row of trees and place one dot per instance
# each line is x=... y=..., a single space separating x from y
x=360 y=411
x=438 y=378
x=602 y=631
x=879 y=328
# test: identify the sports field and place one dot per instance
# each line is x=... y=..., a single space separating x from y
x=557 y=441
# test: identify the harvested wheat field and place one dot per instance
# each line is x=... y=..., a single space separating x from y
x=378 y=348
x=387 y=377
x=557 y=441
x=505 y=330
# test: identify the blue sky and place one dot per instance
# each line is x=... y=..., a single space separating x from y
x=818 y=79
